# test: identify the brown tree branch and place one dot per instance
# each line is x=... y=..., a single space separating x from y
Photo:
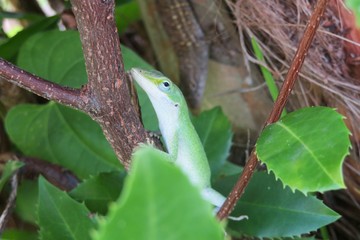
x=52 y=91
x=107 y=85
x=106 y=97
x=279 y=105
x=55 y=174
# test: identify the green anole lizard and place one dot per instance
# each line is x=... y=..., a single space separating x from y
x=182 y=142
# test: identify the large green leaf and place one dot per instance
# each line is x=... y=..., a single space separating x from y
x=306 y=149
x=98 y=191
x=61 y=135
x=158 y=202
x=61 y=217
x=215 y=133
x=9 y=49
x=55 y=56
x=274 y=211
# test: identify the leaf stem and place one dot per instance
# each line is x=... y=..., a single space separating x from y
x=279 y=105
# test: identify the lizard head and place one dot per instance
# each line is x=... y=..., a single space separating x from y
x=163 y=93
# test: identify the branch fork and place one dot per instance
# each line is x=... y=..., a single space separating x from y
x=106 y=97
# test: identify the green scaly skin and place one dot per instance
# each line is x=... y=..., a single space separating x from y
x=182 y=142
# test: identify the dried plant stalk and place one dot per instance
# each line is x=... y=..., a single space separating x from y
x=330 y=74
x=325 y=77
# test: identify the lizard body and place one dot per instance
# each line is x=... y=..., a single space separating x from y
x=182 y=142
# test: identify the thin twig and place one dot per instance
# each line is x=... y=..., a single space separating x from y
x=10 y=202
x=279 y=105
x=54 y=173
x=52 y=91
x=57 y=175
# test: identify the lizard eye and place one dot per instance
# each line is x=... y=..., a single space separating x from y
x=165 y=86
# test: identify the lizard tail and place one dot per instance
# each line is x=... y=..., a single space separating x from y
x=217 y=199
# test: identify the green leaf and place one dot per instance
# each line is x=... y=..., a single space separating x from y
x=215 y=133
x=21 y=16
x=228 y=169
x=120 y=2
x=27 y=200
x=55 y=56
x=15 y=234
x=268 y=77
x=306 y=149
x=46 y=130
x=98 y=191
x=158 y=202
x=61 y=217
x=61 y=135
x=8 y=170
x=131 y=59
x=9 y=49
x=274 y=211
x=126 y=14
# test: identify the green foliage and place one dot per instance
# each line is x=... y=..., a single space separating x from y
x=306 y=149
x=100 y=190
x=8 y=170
x=9 y=49
x=46 y=130
x=274 y=211
x=159 y=202
x=121 y=2
x=355 y=7
x=55 y=56
x=61 y=135
x=269 y=80
x=215 y=133
x=13 y=234
x=27 y=201
x=228 y=169
x=126 y=14
x=32 y=17
x=61 y=217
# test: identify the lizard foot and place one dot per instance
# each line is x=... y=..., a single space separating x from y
x=239 y=218
x=155 y=134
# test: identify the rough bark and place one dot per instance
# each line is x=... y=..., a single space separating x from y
x=107 y=86
x=106 y=97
